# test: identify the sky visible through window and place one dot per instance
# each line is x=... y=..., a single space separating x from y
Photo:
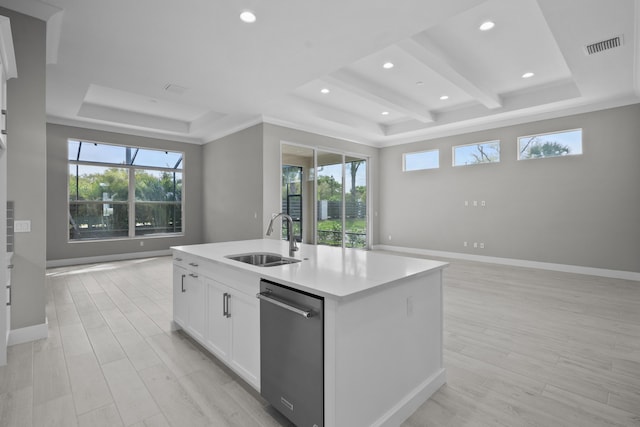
x=473 y=154
x=105 y=153
x=422 y=160
x=564 y=143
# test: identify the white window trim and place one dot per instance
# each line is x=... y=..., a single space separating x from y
x=518 y=152
x=131 y=201
x=453 y=152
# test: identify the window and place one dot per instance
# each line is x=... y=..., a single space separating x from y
x=566 y=143
x=474 y=154
x=121 y=192
x=421 y=160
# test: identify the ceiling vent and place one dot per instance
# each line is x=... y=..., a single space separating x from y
x=177 y=89
x=603 y=45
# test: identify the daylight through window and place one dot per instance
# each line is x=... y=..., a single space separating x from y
x=566 y=143
x=121 y=192
x=474 y=154
x=421 y=160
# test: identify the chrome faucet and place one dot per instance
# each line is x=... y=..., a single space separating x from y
x=293 y=246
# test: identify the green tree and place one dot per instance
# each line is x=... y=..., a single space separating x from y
x=329 y=188
x=535 y=148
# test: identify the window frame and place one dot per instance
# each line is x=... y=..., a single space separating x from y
x=404 y=160
x=519 y=153
x=453 y=153
x=131 y=197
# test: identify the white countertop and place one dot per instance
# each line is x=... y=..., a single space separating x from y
x=324 y=270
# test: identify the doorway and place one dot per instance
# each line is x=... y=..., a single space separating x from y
x=327 y=190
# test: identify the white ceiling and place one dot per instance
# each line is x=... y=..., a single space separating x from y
x=192 y=71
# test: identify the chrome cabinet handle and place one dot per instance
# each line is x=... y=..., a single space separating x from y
x=267 y=297
x=195 y=276
x=183 y=276
x=193 y=264
x=177 y=259
x=9 y=302
x=225 y=304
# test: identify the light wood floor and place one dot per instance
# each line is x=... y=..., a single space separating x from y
x=523 y=347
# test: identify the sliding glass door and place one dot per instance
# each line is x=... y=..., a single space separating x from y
x=355 y=207
x=330 y=199
x=327 y=191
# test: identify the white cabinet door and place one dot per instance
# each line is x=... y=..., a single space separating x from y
x=196 y=305
x=245 y=336
x=180 y=304
x=218 y=328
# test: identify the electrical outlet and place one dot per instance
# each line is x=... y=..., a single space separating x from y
x=465 y=244
x=475 y=244
x=141 y=243
x=466 y=203
x=483 y=203
x=22 y=226
x=389 y=236
x=475 y=203
x=481 y=245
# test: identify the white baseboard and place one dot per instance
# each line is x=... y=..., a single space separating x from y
x=407 y=406
x=106 y=258
x=601 y=272
x=28 y=334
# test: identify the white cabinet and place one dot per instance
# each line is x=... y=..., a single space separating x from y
x=218 y=330
x=233 y=332
x=179 y=296
x=217 y=306
x=189 y=303
x=245 y=336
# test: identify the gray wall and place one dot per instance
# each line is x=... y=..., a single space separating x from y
x=233 y=186
x=577 y=210
x=58 y=246
x=242 y=178
x=26 y=171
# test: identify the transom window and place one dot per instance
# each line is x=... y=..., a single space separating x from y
x=555 y=144
x=474 y=154
x=429 y=159
x=120 y=191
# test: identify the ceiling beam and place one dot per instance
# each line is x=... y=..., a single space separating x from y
x=422 y=49
x=378 y=94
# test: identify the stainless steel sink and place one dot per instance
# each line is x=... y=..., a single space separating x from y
x=262 y=259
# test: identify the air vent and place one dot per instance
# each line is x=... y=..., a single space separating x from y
x=177 y=89
x=603 y=45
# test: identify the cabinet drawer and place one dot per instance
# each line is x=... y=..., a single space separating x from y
x=241 y=281
x=189 y=262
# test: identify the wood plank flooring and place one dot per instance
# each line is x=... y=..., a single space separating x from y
x=523 y=347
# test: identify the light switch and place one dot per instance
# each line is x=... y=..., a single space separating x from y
x=22 y=226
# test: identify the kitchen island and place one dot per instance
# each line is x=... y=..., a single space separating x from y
x=382 y=321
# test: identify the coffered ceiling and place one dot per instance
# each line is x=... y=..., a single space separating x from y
x=193 y=71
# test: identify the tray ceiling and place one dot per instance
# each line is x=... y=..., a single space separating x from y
x=192 y=71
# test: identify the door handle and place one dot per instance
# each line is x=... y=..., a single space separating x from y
x=267 y=297
x=225 y=305
x=182 y=284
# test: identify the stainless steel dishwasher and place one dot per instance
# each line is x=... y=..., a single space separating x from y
x=292 y=353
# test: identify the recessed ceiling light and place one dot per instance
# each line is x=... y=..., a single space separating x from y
x=444 y=97
x=325 y=90
x=528 y=75
x=387 y=65
x=486 y=26
x=248 y=16
x=385 y=113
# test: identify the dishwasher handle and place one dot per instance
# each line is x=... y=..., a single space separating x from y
x=267 y=297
